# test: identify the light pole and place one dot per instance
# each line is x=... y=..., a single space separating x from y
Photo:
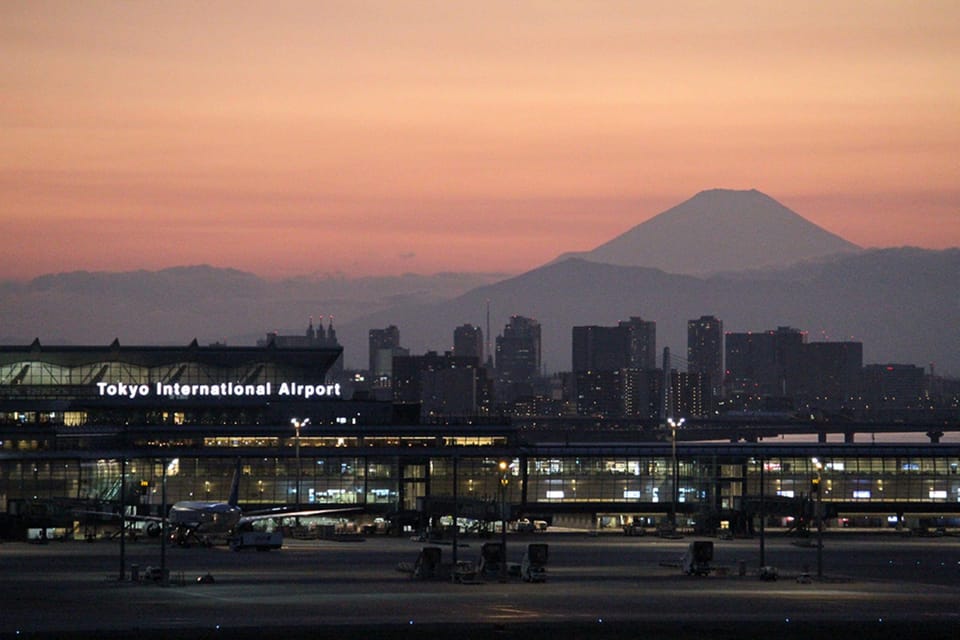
x=297 y=424
x=123 y=516
x=763 y=557
x=817 y=487
x=674 y=425
x=456 y=518
x=504 y=481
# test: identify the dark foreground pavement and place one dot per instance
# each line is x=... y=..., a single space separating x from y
x=877 y=586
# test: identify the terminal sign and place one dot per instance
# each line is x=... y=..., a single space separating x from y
x=219 y=390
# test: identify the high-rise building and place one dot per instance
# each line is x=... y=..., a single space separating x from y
x=600 y=393
x=705 y=351
x=601 y=348
x=630 y=393
x=444 y=385
x=689 y=395
x=608 y=363
x=382 y=343
x=830 y=374
x=384 y=347
x=643 y=342
x=518 y=358
x=781 y=364
x=642 y=393
x=763 y=364
x=468 y=342
x=632 y=344
x=889 y=388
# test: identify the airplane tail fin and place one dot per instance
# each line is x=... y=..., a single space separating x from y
x=235 y=487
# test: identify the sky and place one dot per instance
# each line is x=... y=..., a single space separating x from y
x=375 y=138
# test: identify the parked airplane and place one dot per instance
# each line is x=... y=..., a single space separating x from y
x=204 y=520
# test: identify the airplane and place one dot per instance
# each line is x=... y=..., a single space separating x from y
x=205 y=520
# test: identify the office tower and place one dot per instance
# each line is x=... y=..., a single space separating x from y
x=690 y=395
x=607 y=365
x=705 y=351
x=641 y=393
x=468 y=342
x=600 y=393
x=892 y=388
x=382 y=343
x=643 y=342
x=518 y=358
x=444 y=385
x=601 y=348
x=830 y=374
x=764 y=363
x=629 y=345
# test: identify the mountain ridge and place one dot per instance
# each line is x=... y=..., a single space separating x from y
x=901 y=303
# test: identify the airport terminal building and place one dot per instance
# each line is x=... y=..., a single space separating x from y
x=149 y=426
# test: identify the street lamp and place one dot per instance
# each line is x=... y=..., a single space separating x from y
x=674 y=425
x=763 y=557
x=504 y=466
x=297 y=424
x=817 y=487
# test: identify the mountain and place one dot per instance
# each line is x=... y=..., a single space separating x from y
x=174 y=306
x=720 y=230
x=902 y=304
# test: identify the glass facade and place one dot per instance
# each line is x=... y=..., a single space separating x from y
x=619 y=481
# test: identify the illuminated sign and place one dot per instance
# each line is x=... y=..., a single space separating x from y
x=219 y=390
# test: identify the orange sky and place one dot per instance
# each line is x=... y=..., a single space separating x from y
x=383 y=137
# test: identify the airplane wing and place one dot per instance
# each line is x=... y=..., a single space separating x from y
x=115 y=515
x=285 y=512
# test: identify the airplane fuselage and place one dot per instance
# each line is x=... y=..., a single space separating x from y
x=204 y=517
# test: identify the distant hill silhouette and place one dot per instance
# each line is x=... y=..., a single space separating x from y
x=720 y=230
x=903 y=304
x=173 y=306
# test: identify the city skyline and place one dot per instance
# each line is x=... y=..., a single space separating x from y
x=382 y=138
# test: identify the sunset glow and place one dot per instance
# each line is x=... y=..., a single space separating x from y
x=363 y=138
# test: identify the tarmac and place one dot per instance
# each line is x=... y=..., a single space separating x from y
x=881 y=585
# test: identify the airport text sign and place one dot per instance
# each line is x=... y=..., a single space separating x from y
x=219 y=390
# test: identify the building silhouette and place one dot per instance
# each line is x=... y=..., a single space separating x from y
x=313 y=338
x=780 y=364
x=705 y=351
x=598 y=348
x=445 y=386
x=763 y=364
x=468 y=342
x=518 y=358
x=690 y=395
x=642 y=342
x=613 y=368
x=894 y=391
x=830 y=375
x=384 y=346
